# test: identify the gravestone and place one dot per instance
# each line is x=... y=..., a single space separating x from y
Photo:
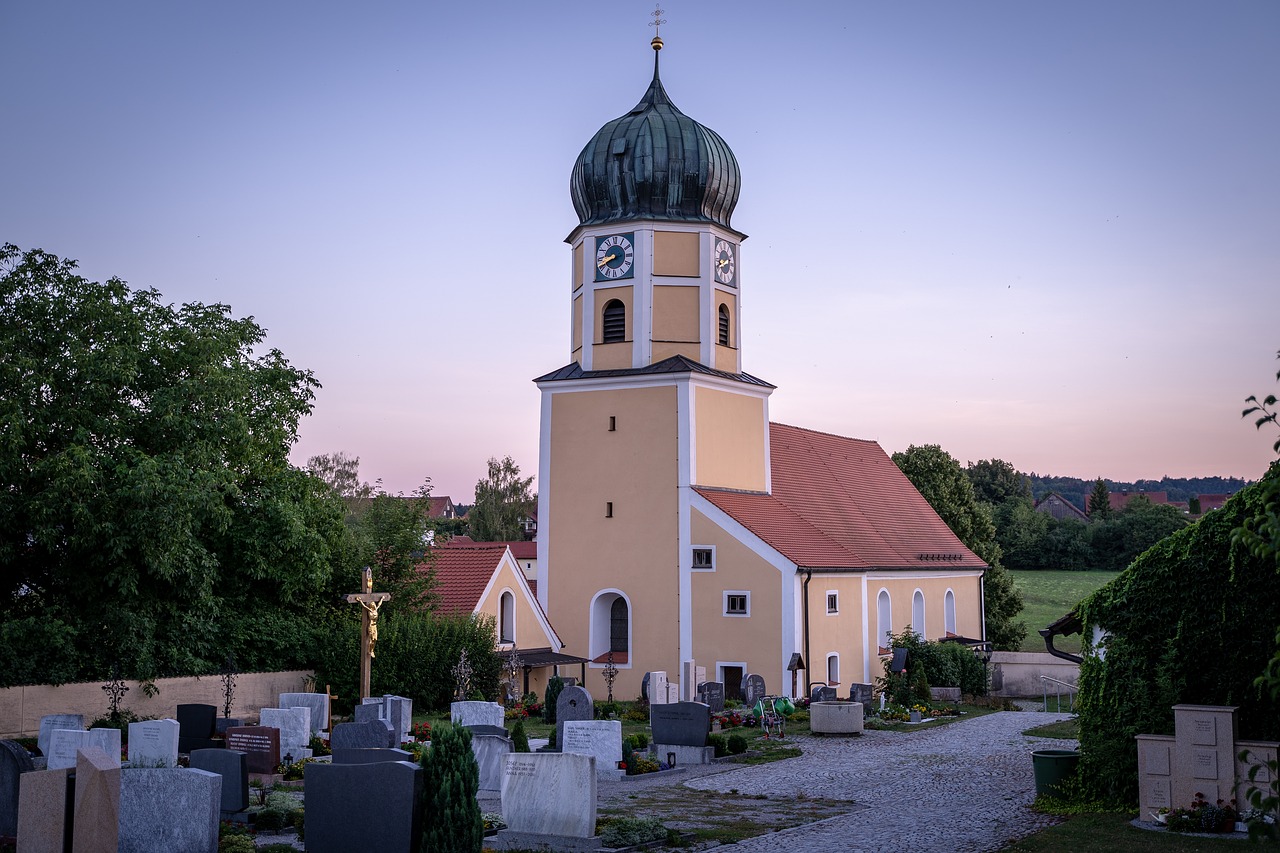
x=49 y=722
x=753 y=689
x=65 y=742
x=295 y=729
x=681 y=724
x=711 y=693
x=822 y=693
x=233 y=767
x=96 y=825
x=376 y=713
x=196 y=725
x=644 y=687
x=673 y=693
x=370 y=734
x=549 y=793
x=153 y=743
x=861 y=693
x=169 y=810
x=400 y=713
x=477 y=714
x=363 y=807
x=260 y=745
x=46 y=801
x=14 y=761
x=318 y=703
x=574 y=703
x=223 y=723
x=601 y=739
x=491 y=753
x=489 y=730
x=688 y=679
x=657 y=687
x=370 y=756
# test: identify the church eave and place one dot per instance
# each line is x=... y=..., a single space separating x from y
x=676 y=364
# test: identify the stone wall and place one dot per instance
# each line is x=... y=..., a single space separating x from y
x=1018 y=674
x=22 y=707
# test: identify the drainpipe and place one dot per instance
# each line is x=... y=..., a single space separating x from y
x=982 y=602
x=808 y=576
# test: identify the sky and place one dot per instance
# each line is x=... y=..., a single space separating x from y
x=1042 y=232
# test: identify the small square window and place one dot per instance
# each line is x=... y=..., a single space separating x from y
x=833 y=602
x=703 y=558
x=737 y=602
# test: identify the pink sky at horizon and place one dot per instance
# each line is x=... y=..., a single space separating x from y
x=1046 y=234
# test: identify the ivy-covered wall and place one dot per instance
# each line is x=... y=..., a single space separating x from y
x=1191 y=621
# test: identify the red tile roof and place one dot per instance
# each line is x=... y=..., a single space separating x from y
x=463 y=571
x=1119 y=500
x=441 y=507
x=521 y=549
x=841 y=503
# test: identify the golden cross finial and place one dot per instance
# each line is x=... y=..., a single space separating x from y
x=657 y=23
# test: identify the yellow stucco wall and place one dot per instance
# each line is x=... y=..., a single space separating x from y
x=626 y=296
x=901 y=589
x=675 y=314
x=576 y=278
x=666 y=350
x=726 y=357
x=577 y=327
x=839 y=632
x=529 y=633
x=675 y=253
x=756 y=639
x=730 y=440
x=634 y=467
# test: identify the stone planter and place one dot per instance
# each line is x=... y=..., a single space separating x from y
x=835 y=718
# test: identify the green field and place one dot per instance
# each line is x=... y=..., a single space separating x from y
x=1048 y=597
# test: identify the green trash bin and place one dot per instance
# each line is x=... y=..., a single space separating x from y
x=1052 y=767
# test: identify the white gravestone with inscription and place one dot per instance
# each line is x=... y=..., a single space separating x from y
x=550 y=793
x=601 y=739
x=153 y=743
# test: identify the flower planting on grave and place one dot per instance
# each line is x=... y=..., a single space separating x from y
x=1203 y=816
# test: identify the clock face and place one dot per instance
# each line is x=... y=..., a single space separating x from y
x=614 y=256
x=725 y=264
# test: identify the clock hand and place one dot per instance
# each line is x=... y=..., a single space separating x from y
x=604 y=261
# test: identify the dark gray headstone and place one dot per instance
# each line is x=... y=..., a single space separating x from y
x=363 y=806
x=399 y=710
x=712 y=693
x=377 y=713
x=822 y=693
x=370 y=756
x=861 y=693
x=574 y=703
x=753 y=689
x=260 y=744
x=14 y=761
x=196 y=725
x=224 y=723
x=680 y=723
x=644 y=687
x=489 y=730
x=900 y=660
x=232 y=765
x=370 y=734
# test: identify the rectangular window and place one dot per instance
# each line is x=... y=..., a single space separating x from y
x=737 y=602
x=833 y=602
x=704 y=558
x=608 y=509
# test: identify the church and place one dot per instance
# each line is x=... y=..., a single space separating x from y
x=676 y=521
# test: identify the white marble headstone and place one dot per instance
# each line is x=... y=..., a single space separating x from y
x=601 y=739
x=658 y=687
x=688 y=670
x=317 y=702
x=477 y=713
x=294 y=725
x=491 y=753
x=49 y=722
x=153 y=743
x=551 y=793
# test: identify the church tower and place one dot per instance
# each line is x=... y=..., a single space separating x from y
x=653 y=401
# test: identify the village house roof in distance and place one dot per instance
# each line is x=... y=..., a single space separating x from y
x=841 y=503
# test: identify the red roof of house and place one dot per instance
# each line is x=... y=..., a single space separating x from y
x=463 y=571
x=841 y=503
x=523 y=549
x=1208 y=502
x=1119 y=500
x=437 y=507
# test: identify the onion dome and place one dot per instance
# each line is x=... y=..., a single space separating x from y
x=655 y=163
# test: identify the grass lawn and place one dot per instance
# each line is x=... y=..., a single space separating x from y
x=1048 y=597
x=1111 y=833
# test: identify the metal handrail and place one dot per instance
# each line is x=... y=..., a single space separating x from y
x=1071 y=691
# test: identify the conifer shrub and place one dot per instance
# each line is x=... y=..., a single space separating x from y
x=451 y=818
x=554 y=688
x=519 y=738
x=737 y=744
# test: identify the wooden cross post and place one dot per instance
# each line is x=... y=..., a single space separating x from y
x=369 y=601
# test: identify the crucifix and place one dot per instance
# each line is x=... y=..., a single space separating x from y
x=369 y=602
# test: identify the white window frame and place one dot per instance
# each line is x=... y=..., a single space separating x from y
x=949 y=613
x=507 y=593
x=694 y=566
x=884 y=618
x=833 y=611
x=745 y=593
x=598 y=627
x=833 y=656
x=918 y=613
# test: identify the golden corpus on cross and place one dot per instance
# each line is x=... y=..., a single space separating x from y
x=369 y=602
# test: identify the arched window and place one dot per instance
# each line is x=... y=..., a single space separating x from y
x=610 y=627
x=917 y=614
x=949 y=613
x=884 y=623
x=615 y=322
x=833 y=669
x=724 y=325
x=619 y=625
x=507 y=618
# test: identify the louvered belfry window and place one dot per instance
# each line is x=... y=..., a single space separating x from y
x=724 y=325
x=615 y=322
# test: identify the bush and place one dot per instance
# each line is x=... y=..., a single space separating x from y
x=720 y=744
x=737 y=744
x=554 y=687
x=451 y=817
x=519 y=740
x=271 y=819
x=236 y=844
x=630 y=831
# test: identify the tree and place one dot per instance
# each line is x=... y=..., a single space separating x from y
x=996 y=481
x=148 y=513
x=1099 y=501
x=342 y=473
x=942 y=482
x=451 y=818
x=502 y=499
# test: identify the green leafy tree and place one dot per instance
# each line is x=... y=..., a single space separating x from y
x=451 y=817
x=502 y=499
x=943 y=483
x=342 y=473
x=996 y=481
x=148 y=512
x=1099 y=501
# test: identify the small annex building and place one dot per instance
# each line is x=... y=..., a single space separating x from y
x=676 y=523
x=484 y=578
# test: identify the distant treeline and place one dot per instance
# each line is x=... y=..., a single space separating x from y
x=1179 y=489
